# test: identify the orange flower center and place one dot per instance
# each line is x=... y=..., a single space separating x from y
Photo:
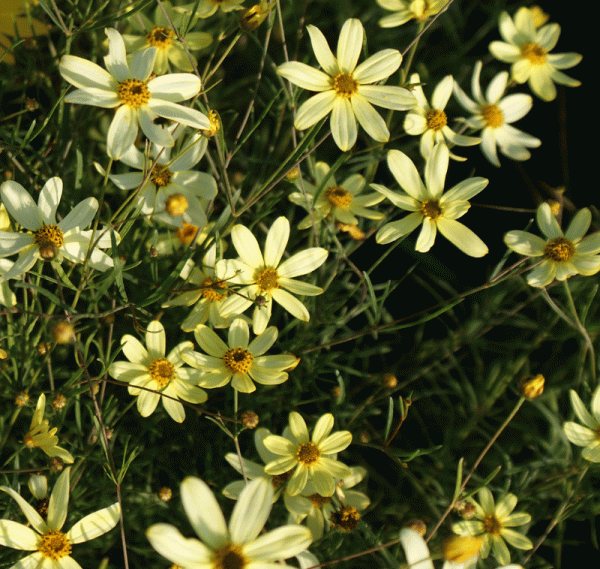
x=161 y=175
x=133 y=93
x=48 y=238
x=209 y=289
x=267 y=279
x=559 y=250
x=338 y=197
x=308 y=454
x=229 y=557
x=492 y=525
x=534 y=53
x=436 y=120
x=431 y=209
x=493 y=116
x=54 y=545
x=160 y=38
x=162 y=371
x=238 y=360
x=344 y=85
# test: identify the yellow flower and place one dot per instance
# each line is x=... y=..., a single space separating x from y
x=40 y=435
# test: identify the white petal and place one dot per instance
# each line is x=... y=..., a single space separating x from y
x=116 y=60
x=155 y=340
x=281 y=543
x=251 y=511
x=388 y=96
x=276 y=241
x=50 y=198
x=175 y=87
x=436 y=169
x=291 y=304
x=442 y=93
x=80 y=216
x=20 y=205
x=204 y=513
x=378 y=66
x=303 y=262
x=369 y=119
x=406 y=174
x=322 y=51
x=142 y=63
x=59 y=501
x=462 y=237
x=415 y=549
x=350 y=45
x=179 y=113
x=84 y=74
x=343 y=124
x=122 y=131
x=314 y=109
x=305 y=76
x=18 y=536
x=187 y=552
x=95 y=524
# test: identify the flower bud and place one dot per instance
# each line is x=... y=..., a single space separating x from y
x=165 y=494
x=63 y=332
x=250 y=419
x=531 y=386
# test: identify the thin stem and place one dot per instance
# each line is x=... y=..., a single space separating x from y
x=477 y=463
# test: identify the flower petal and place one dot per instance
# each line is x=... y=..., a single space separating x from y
x=251 y=511
x=95 y=524
x=20 y=205
x=350 y=45
x=343 y=124
x=305 y=76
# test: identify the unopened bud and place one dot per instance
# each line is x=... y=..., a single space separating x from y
x=59 y=401
x=55 y=464
x=165 y=494
x=21 y=399
x=532 y=386
x=63 y=332
x=389 y=380
x=465 y=509
x=3 y=354
x=43 y=348
x=250 y=419
x=293 y=174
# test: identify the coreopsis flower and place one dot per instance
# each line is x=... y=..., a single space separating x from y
x=50 y=546
x=166 y=377
x=206 y=8
x=222 y=546
x=138 y=99
x=40 y=435
x=431 y=121
x=346 y=90
x=240 y=362
x=267 y=278
x=494 y=113
x=310 y=460
x=45 y=238
x=493 y=522
x=418 y=555
x=431 y=207
x=206 y=290
x=564 y=255
x=405 y=10
x=528 y=49
x=317 y=510
x=586 y=435
x=340 y=202
x=158 y=33
x=173 y=193
x=252 y=470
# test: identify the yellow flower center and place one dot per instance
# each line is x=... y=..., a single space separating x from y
x=559 y=250
x=28 y=441
x=133 y=93
x=492 y=525
x=215 y=124
x=176 y=204
x=431 y=209
x=338 y=197
x=161 y=176
x=209 y=289
x=238 y=360
x=308 y=454
x=318 y=501
x=535 y=53
x=346 y=518
x=229 y=557
x=54 y=545
x=160 y=38
x=493 y=116
x=436 y=120
x=162 y=371
x=344 y=85
x=267 y=279
x=48 y=238
x=187 y=233
x=280 y=479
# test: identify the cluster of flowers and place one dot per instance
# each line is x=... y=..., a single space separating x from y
x=316 y=487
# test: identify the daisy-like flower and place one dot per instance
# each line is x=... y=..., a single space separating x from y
x=40 y=434
x=240 y=362
x=309 y=459
x=564 y=255
x=46 y=239
x=346 y=91
x=266 y=278
x=206 y=291
x=318 y=510
x=493 y=522
x=429 y=205
x=137 y=98
x=588 y=434
x=206 y=8
x=418 y=555
x=340 y=202
x=51 y=547
x=174 y=193
x=493 y=114
x=228 y=547
x=148 y=367
x=528 y=49
x=405 y=10
x=160 y=34
x=431 y=121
